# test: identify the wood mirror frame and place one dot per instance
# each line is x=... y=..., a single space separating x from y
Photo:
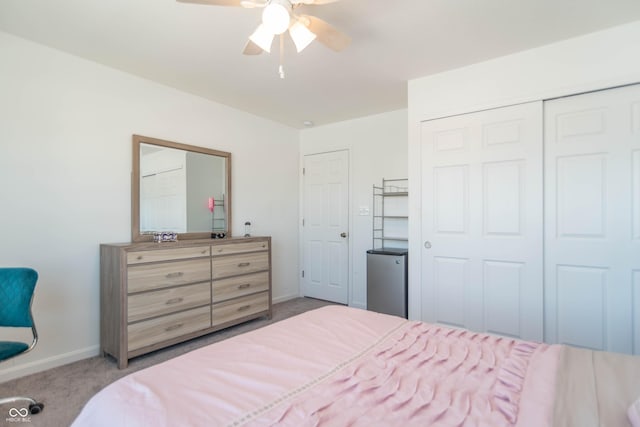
x=136 y=235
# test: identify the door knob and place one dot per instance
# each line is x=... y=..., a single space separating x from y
x=427 y=244
x=343 y=234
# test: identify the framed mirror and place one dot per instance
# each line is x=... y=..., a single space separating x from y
x=179 y=188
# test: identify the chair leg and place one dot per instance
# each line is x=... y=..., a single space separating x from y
x=34 y=407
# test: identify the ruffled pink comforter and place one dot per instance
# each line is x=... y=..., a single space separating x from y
x=339 y=366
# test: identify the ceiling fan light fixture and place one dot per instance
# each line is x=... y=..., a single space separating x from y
x=262 y=37
x=301 y=35
x=276 y=16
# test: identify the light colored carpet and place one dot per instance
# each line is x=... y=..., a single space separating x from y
x=65 y=390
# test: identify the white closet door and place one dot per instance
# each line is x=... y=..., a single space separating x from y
x=482 y=221
x=592 y=220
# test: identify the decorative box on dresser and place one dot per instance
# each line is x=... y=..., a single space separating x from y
x=153 y=295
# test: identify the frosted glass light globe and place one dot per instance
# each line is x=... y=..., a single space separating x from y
x=276 y=18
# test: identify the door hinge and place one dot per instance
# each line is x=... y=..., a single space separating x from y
x=303 y=222
x=303 y=274
x=304 y=171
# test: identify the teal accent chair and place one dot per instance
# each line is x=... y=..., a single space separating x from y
x=16 y=295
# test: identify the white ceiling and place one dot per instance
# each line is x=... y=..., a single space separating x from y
x=197 y=48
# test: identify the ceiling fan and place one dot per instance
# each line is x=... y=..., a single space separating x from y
x=279 y=16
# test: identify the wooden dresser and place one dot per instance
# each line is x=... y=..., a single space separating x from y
x=153 y=295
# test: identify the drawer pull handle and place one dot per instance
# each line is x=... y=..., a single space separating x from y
x=139 y=257
x=244 y=286
x=244 y=264
x=175 y=275
x=174 y=300
x=244 y=307
x=173 y=327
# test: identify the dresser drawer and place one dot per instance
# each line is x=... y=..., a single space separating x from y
x=238 y=286
x=156 y=303
x=146 y=277
x=237 y=248
x=152 y=331
x=239 y=307
x=140 y=257
x=240 y=264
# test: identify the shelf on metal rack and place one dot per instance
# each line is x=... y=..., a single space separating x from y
x=390 y=188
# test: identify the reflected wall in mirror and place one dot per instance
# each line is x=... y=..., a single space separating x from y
x=179 y=188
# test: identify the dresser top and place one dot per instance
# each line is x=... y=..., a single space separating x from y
x=184 y=243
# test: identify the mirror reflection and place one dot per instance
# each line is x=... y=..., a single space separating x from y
x=179 y=188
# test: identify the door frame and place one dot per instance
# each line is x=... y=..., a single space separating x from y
x=301 y=194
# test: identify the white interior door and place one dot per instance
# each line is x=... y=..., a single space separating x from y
x=592 y=197
x=482 y=221
x=326 y=226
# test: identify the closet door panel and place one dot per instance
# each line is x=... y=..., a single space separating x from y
x=503 y=287
x=580 y=287
x=503 y=202
x=582 y=202
x=451 y=289
x=451 y=201
x=482 y=221
x=635 y=171
x=592 y=243
x=636 y=311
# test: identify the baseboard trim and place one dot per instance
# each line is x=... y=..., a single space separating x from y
x=284 y=298
x=29 y=368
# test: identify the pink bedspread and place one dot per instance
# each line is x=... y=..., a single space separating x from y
x=339 y=366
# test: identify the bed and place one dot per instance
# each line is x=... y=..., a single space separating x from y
x=340 y=366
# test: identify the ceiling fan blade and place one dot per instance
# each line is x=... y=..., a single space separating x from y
x=251 y=49
x=326 y=34
x=240 y=3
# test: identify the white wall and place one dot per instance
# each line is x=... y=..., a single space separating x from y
x=377 y=149
x=65 y=167
x=595 y=61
